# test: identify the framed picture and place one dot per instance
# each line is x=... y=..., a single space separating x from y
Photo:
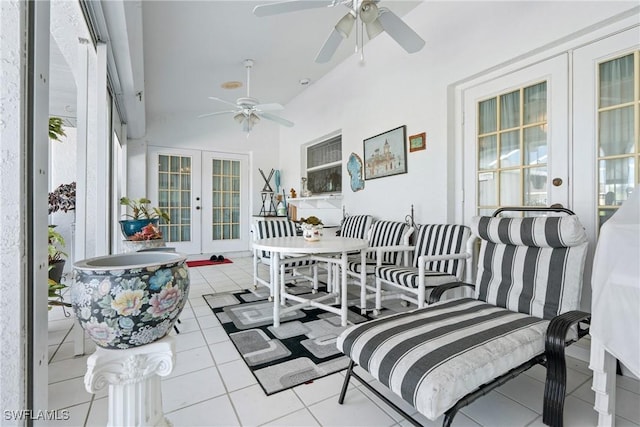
x=386 y=154
x=418 y=142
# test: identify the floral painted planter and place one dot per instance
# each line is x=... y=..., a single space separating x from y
x=129 y=300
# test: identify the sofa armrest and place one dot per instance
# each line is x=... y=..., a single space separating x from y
x=555 y=386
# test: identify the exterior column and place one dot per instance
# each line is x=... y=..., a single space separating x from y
x=133 y=377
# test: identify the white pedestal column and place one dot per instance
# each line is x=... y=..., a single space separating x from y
x=133 y=377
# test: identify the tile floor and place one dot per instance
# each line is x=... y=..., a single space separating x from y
x=211 y=385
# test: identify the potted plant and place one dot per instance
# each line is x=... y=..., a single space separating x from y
x=141 y=215
x=311 y=228
x=63 y=198
x=56 y=254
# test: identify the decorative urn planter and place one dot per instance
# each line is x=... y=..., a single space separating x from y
x=128 y=300
x=311 y=233
x=130 y=227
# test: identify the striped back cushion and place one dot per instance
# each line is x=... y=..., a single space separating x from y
x=442 y=239
x=276 y=228
x=531 y=265
x=356 y=226
x=387 y=233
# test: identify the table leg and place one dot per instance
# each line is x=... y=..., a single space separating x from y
x=275 y=286
x=343 y=289
x=603 y=365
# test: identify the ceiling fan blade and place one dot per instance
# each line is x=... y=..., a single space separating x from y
x=276 y=119
x=400 y=31
x=269 y=107
x=289 y=6
x=224 y=101
x=329 y=47
x=216 y=113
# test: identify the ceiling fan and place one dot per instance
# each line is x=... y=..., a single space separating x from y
x=248 y=111
x=375 y=19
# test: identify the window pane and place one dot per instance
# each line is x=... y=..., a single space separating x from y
x=616 y=132
x=163 y=163
x=616 y=179
x=510 y=110
x=510 y=188
x=535 y=103
x=535 y=186
x=510 y=149
x=325 y=180
x=325 y=152
x=616 y=81
x=487 y=189
x=487 y=116
x=488 y=156
x=535 y=145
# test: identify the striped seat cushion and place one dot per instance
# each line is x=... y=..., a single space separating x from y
x=387 y=233
x=409 y=277
x=531 y=265
x=356 y=226
x=276 y=228
x=440 y=239
x=434 y=356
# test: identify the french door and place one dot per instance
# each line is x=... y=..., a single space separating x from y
x=206 y=196
x=515 y=140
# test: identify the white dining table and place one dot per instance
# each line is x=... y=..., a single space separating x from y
x=330 y=249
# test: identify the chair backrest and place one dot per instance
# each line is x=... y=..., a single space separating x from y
x=273 y=228
x=356 y=226
x=388 y=233
x=531 y=265
x=442 y=239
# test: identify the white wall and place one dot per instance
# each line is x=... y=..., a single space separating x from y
x=13 y=271
x=394 y=88
x=210 y=134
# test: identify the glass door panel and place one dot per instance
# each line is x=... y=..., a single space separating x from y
x=225 y=217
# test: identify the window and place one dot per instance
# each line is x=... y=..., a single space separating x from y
x=174 y=196
x=225 y=184
x=618 y=114
x=512 y=149
x=324 y=166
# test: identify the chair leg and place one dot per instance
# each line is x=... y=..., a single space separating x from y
x=378 y=294
x=345 y=384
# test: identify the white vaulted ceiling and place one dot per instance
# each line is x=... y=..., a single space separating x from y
x=189 y=48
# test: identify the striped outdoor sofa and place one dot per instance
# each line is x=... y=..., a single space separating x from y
x=290 y=266
x=441 y=254
x=444 y=356
x=383 y=237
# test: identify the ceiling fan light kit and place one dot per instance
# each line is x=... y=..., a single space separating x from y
x=375 y=19
x=248 y=110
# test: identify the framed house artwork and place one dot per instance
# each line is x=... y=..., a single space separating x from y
x=386 y=154
x=417 y=142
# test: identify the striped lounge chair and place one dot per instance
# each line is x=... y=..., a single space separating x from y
x=444 y=356
x=291 y=267
x=441 y=254
x=384 y=237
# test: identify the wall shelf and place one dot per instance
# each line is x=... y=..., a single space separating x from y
x=329 y=201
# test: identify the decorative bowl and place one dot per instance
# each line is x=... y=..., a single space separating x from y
x=311 y=233
x=128 y=300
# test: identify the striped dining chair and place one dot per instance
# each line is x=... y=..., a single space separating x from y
x=441 y=254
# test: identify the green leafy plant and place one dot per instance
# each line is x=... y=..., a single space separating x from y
x=141 y=210
x=55 y=129
x=55 y=294
x=313 y=220
x=56 y=244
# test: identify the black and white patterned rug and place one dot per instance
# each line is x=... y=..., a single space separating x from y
x=302 y=349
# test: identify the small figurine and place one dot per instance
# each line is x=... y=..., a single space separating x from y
x=293 y=193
